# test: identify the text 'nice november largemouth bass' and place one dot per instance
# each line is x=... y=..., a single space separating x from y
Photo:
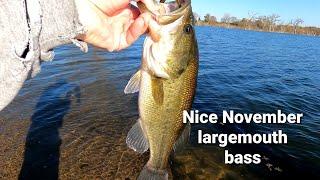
x=167 y=82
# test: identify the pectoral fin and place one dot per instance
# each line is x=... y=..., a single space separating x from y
x=136 y=139
x=133 y=85
x=157 y=90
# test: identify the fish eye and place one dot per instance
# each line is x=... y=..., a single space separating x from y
x=188 y=29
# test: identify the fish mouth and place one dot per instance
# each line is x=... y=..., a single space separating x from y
x=171 y=11
x=168 y=11
x=172 y=8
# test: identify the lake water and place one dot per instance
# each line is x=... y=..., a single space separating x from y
x=72 y=119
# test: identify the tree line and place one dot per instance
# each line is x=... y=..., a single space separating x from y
x=270 y=23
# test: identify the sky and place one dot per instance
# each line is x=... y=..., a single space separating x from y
x=308 y=10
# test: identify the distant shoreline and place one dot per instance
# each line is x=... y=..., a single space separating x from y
x=255 y=30
x=300 y=30
x=269 y=23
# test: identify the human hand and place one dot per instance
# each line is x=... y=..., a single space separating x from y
x=112 y=24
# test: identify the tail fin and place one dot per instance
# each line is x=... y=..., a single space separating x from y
x=149 y=173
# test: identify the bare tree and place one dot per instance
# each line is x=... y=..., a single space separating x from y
x=210 y=19
x=263 y=22
x=273 y=20
x=233 y=19
x=282 y=26
x=252 y=16
x=196 y=17
x=296 y=23
x=228 y=19
x=207 y=18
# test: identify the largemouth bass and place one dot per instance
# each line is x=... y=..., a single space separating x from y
x=167 y=82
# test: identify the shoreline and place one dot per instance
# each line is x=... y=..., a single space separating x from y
x=256 y=30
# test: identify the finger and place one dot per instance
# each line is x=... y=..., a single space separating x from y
x=134 y=11
x=109 y=7
x=137 y=28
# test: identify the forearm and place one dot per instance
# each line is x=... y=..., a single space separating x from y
x=29 y=31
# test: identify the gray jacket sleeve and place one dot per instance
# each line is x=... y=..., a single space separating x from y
x=29 y=30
